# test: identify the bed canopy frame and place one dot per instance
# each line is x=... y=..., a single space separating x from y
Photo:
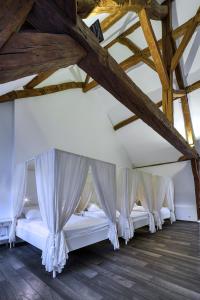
x=151 y=190
x=60 y=180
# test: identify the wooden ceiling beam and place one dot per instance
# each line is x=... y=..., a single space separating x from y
x=154 y=48
x=155 y=10
x=68 y=7
x=127 y=64
x=31 y=53
x=39 y=78
x=184 y=102
x=136 y=50
x=12 y=16
x=186 y=39
x=176 y=33
x=104 y=69
x=167 y=54
x=20 y=94
x=111 y=20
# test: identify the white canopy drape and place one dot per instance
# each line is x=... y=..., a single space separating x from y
x=60 y=178
x=87 y=194
x=18 y=190
x=170 y=199
x=146 y=197
x=104 y=176
x=159 y=188
x=128 y=187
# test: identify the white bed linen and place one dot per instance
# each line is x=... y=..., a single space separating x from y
x=165 y=213
x=79 y=231
x=140 y=218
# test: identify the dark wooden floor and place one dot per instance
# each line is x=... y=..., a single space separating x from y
x=165 y=265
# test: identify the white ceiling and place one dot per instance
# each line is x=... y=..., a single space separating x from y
x=143 y=145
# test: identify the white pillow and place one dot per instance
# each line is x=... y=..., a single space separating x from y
x=138 y=208
x=93 y=207
x=33 y=214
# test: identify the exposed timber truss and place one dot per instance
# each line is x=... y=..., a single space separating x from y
x=56 y=26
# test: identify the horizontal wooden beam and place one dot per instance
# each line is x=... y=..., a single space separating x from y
x=20 y=94
x=31 y=53
x=12 y=15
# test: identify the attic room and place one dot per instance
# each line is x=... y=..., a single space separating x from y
x=100 y=145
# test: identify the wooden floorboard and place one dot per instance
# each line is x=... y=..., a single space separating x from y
x=160 y=266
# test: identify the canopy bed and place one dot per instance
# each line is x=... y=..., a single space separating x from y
x=159 y=193
x=129 y=187
x=60 y=180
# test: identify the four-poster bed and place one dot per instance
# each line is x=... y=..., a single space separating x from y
x=60 y=179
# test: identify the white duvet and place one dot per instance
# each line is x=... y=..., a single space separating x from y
x=76 y=226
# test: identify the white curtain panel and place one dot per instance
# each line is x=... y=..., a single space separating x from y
x=146 y=197
x=104 y=176
x=87 y=195
x=60 y=178
x=18 y=190
x=128 y=183
x=170 y=199
x=160 y=189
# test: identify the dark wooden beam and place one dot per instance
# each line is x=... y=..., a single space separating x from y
x=20 y=94
x=68 y=7
x=12 y=15
x=167 y=53
x=196 y=174
x=31 y=53
x=105 y=70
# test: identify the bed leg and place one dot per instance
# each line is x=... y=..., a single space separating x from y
x=10 y=245
x=54 y=274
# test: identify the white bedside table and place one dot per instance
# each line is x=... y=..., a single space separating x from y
x=4 y=230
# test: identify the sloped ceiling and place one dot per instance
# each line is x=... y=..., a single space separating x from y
x=143 y=145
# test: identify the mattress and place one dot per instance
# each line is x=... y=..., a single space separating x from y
x=140 y=218
x=165 y=213
x=80 y=231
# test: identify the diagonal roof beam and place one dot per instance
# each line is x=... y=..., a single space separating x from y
x=187 y=37
x=154 y=48
x=39 y=78
x=12 y=16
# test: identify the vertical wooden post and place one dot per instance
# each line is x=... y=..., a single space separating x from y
x=196 y=174
x=167 y=51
